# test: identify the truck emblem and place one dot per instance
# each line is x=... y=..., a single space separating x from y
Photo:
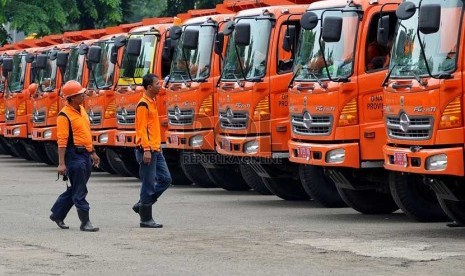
x=229 y=116
x=402 y=101
x=36 y=115
x=404 y=122
x=305 y=101
x=177 y=113
x=124 y=114
x=307 y=120
x=91 y=116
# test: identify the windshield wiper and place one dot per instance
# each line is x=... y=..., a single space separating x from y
x=388 y=75
x=322 y=85
x=180 y=73
x=415 y=75
x=187 y=65
x=240 y=63
x=291 y=83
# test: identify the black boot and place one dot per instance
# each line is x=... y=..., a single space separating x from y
x=146 y=220
x=136 y=207
x=59 y=222
x=86 y=225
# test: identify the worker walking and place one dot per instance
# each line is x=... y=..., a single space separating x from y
x=76 y=157
x=153 y=169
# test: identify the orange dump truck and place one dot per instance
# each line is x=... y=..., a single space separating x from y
x=252 y=106
x=423 y=110
x=336 y=104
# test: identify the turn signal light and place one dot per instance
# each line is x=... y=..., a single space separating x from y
x=53 y=110
x=349 y=114
x=206 y=108
x=22 y=108
x=262 y=110
x=2 y=108
x=110 y=112
x=452 y=115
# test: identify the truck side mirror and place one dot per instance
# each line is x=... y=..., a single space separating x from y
x=52 y=55
x=242 y=34
x=29 y=58
x=175 y=32
x=134 y=46
x=41 y=62
x=309 y=20
x=406 y=10
x=382 y=35
x=332 y=29
x=120 y=41
x=7 y=66
x=219 y=43
x=114 y=54
x=83 y=49
x=62 y=59
x=289 y=38
x=94 y=55
x=166 y=52
x=229 y=28
x=191 y=39
x=429 y=19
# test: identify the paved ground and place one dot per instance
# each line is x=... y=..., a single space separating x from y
x=208 y=232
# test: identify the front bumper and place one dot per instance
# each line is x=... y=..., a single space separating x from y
x=15 y=131
x=232 y=145
x=44 y=134
x=184 y=140
x=104 y=137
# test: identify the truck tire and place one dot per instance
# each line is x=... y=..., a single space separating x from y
x=368 y=201
x=195 y=172
x=21 y=150
x=228 y=178
x=51 y=149
x=6 y=148
x=117 y=164
x=254 y=180
x=41 y=155
x=320 y=187
x=104 y=165
x=454 y=209
x=130 y=162
x=415 y=198
x=286 y=188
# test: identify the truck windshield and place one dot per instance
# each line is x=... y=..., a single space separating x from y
x=253 y=57
x=135 y=67
x=104 y=70
x=339 y=56
x=441 y=48
x=47 y=77
x=75 y=66
x=16 y=79
x=197 y=60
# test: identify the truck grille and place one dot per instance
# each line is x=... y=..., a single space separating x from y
x=311 y=125
x=233 y=119
x=126 y=117
x=38 y=117
x=95 y=117
x=178 y=117
x=409 y=128
x=10 y=115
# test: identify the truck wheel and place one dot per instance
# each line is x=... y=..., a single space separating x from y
x=228 y=178
x=195 y=172
x=6 y=148
x=130 y=162
x=104 y=165
x=415 y=198
x=22 y=152
x=368 y=201
x=178 y=176
x=454 y=209
x=254 y=180
x=51 y=149
x=286 y=188
x=320 y=187
x=117 y=164
x=39 y=150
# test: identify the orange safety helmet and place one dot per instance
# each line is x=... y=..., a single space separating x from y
x=72 y=88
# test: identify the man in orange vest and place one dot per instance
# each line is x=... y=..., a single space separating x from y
x=153 y=171
x=76 y=157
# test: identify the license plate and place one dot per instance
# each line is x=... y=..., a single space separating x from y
x=303 y=152
x=174 y=139
x=400 y=159
x=226 y=145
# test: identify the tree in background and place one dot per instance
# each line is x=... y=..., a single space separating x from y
x=174 y=7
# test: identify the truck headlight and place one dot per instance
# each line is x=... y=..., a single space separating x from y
x=16 y=131
x=436 y=162
x=103 y=138
x=335 y=156
x=47 y=134
x=196 y=141
x=251 y=147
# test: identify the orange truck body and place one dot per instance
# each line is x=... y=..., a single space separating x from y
x=343 y=116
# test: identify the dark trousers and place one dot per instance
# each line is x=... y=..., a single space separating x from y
x=155 y=177
x=78 y=168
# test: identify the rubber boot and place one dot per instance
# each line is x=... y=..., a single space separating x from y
x=86 y=225
x=146 y=219
x=59 y=222
x=136 y=207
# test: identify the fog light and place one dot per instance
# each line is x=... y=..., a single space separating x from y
x=16 y=131
x=335 y=156
x=103 y=138
x=251 y=147
x=436 y=162
x=196 y=141
x=47 y=134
